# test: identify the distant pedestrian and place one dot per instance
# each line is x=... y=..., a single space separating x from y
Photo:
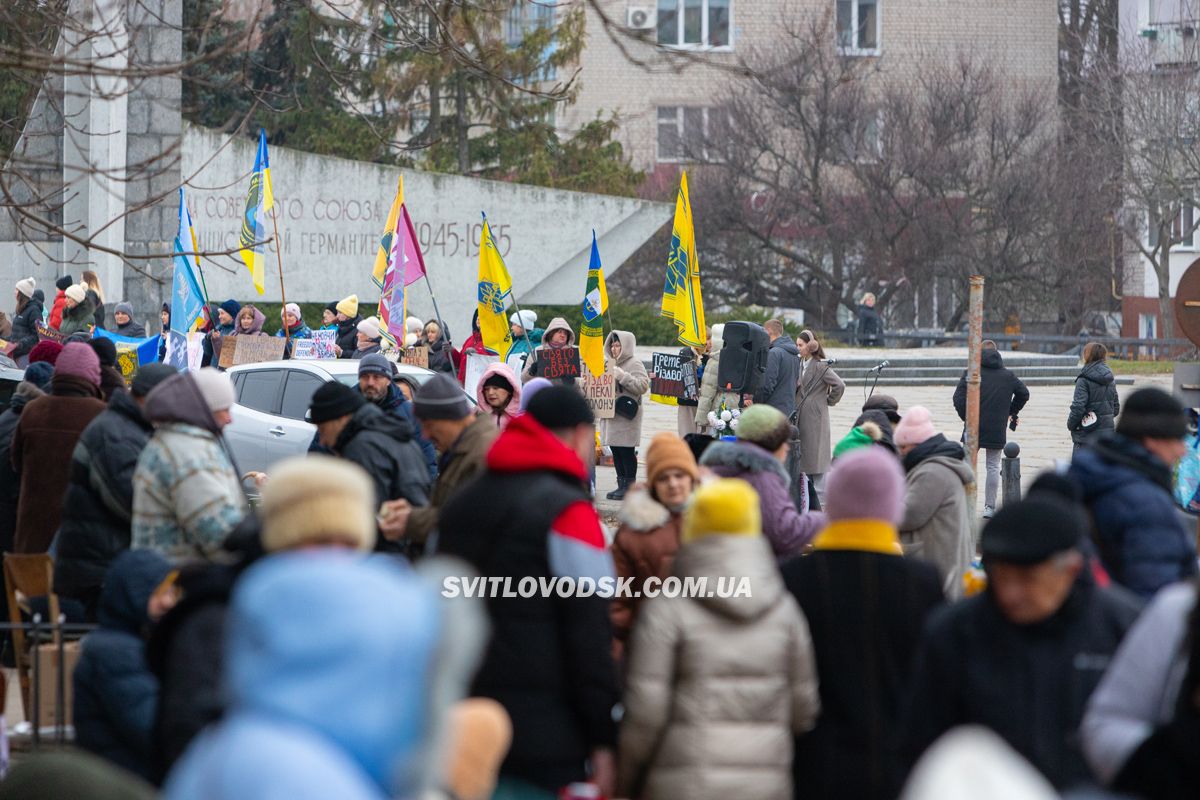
x=818 y=389
x=783 y=370
x=1023 y=657
x=937 y=524
x=870 y=324
x=717 y=686
x=866 y=606
x=1126 y=476
x=1095 y=404
x=1002 y=395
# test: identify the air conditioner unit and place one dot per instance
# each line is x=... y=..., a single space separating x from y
x=640 y=18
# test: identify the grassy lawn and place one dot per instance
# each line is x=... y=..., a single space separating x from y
x=1125 y=367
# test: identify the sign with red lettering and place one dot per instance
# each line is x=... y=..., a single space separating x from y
x=555 y=364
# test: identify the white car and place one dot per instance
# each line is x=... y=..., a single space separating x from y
x=272 y=400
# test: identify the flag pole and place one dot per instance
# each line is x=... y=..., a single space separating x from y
x=436 y=312
x=514 y=294
x=287 y=334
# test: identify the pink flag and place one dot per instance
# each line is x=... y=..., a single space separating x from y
x=405 y=266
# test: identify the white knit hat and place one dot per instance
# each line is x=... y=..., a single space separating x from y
x=414 y=325
x=26 y=286
x=215 y=387
x=369 y=328
x=525 y=318
x=77 y=292
x=293 y=309
x=318 y=499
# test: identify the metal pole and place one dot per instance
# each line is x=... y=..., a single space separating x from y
x=436 y=312
x=287 y=334
x=974 y=348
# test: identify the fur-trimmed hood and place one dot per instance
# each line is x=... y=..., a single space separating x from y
x=744 y=457
x=641 y=512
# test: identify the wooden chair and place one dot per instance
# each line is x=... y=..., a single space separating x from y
x=27 y=576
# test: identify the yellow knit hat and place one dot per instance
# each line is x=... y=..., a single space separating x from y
x=316 y=500
x=727 y=507
x=348 y=306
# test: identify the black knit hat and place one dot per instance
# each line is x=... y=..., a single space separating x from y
x=106 y=351
x=331 y=306
x=64 y=283
x=441 y=398
x=1152 y=414
x=560 y=408
x=1032 y=530
x=333 y=400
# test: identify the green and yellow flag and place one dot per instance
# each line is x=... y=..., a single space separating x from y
x=681 y=300
x=595 y=305
x=495 y=291
x=259 y=200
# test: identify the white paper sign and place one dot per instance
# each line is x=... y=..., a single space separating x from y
x=477 y=363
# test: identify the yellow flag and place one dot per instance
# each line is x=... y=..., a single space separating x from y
x=682 y=300
x=595 y=304
x=384 y=254
x=495 y=291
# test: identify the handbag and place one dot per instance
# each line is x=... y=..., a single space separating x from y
x=626 y=407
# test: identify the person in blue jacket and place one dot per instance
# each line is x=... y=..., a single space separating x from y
x=115 y=693
x=341 y=701
x=1126 y=478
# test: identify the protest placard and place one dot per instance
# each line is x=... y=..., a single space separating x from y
x=127 y=362
x=250 y=350
x=416 y=356
x=323 y=342
x=557 y=364
x=601 y=393
x=476 y=364
x=666 y=377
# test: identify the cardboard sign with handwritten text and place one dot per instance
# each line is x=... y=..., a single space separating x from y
x=557 y=364
x=601 y=393
x=250 y=350
x=416 y=356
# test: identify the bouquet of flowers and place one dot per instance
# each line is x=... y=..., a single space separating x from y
x=723 y=419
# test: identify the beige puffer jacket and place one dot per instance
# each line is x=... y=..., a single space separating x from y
x=718 y=687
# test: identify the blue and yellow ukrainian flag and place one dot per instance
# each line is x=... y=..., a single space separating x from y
x=595 y=304
x=259 y=200
x=495 y=291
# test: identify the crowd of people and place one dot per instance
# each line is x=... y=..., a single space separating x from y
x=298 y=633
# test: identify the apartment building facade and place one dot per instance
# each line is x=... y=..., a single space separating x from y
x=661 y=65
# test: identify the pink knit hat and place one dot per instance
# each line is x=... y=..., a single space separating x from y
x=865 y=484
x=80 y=361
x=914 y=427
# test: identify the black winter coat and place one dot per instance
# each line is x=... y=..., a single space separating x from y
x=864 y=641
x=384 y=445
x=24 y=327
x=548 y=661
x=1095 y=391
x=1028 y=683
x=1001 y=395
x=98 y=507
x=439 y=357
x=98 y=315
x=134 y=330
x=783 y=376
x=10 y=481
x=116 y=695
x=347 y=336
x=870 y=325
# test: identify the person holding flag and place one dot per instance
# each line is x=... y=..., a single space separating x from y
x=495 y=290
x=682 y=300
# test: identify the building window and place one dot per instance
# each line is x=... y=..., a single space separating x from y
x=1183 y=227
x=858 y=27
x=683 y=134
x=694 y=23
x=524 y=18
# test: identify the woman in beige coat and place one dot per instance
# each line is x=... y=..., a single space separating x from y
x=622 y=435
x=717 y=687
x=820 y=387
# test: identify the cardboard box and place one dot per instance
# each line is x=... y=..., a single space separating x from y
x=47 y=686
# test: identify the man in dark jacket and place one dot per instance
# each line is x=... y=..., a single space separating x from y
x=376 y=384
x=1002 y=395
x=98 y=507
x=1127 y=487
x=549 y=663
x=353 y=429
x=1023 y=657
x=783 y=370
x=448 y=420
x=116 y=695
